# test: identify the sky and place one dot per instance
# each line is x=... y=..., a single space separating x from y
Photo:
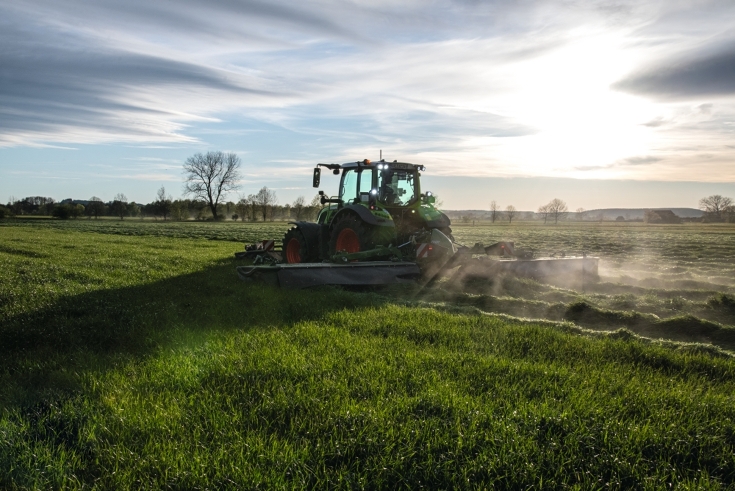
x=599 y=103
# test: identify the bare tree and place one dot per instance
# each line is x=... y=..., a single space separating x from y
x=493 y=211
x=265 y=199
x=510 y=212
x=557 y=209
x=163 y=203
x=581 y=214
x=241 y=207
x=120 y=205
x=314 y=206
x=210 y=177
x=299 y=207
x=715 y=205
x=544 y=212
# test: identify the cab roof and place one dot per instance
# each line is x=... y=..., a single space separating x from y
x=374 y=163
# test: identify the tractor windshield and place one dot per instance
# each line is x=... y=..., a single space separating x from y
x=397 y=187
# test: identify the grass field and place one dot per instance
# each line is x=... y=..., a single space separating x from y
x=132 y=357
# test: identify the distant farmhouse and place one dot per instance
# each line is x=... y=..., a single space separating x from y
x=661 y=216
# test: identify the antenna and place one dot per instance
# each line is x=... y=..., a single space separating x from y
x=381 y=154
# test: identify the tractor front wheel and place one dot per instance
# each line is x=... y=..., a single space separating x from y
x=295 y=247
x=350 y=235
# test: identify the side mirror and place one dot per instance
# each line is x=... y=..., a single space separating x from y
x=317 y=176
x=429 y=198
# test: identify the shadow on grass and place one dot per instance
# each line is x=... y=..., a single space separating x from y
x=43 y=352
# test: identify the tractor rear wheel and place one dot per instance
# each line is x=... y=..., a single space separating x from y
x=350 y=235
x=296 y=249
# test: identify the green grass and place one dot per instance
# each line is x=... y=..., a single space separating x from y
x=140 y=361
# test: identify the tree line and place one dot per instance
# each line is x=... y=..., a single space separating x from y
x=555 y=210
x=260 y=206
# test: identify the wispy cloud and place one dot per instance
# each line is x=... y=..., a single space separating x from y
x=705 y=72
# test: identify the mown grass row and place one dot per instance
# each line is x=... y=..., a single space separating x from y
x=143 y=362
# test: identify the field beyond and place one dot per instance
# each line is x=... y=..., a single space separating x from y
x=132 y=357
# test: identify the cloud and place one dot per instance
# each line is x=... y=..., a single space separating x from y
x=656 y=122
x=629 y=161
x=705 y=72
x=467 y=87
x=142 y=72
x=58 y=86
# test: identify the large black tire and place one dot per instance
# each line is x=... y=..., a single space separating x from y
x=350 y=234
x=296 y=249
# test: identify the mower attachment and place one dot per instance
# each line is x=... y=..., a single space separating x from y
x=305 y=275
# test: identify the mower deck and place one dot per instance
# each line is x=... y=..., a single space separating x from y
x=305 y=275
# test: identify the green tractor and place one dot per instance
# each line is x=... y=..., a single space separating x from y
x=381 y=229
x=379 y=204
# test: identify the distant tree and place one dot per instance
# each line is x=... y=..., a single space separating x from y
x=133 y=209
x=493 y=211
x=64 y=211
x=120 y=205
x=315 y=205
x=179 y=210
x=265 y=199
x=285 y=212
x=715 y=205
x=76 y=210
x=229 y=206
x=557 y=209
x=4 y=211
x=544 y=212
x=298 y=207
x=252 y=204
x=581 y=215
x=729 y=213
x=95 y=207
x=210 y=177
x=163 y=203
x=510 y=212
x=241 y=207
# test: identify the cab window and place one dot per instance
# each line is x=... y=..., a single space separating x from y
x=366 y=180
x=397 y=187
x=348 y=190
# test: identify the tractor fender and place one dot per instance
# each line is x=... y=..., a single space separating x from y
x=364 y=215
x=310 y=230
x=441 y=222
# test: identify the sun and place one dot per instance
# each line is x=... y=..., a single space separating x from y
x=583 y=128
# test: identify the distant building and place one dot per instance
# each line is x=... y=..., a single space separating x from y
x=661 y=216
